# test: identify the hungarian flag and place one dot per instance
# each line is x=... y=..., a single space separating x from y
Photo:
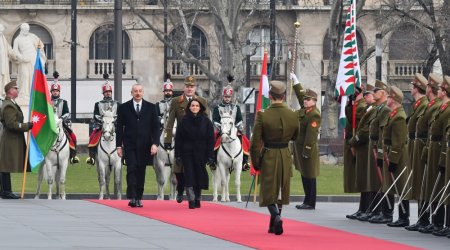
x=44 y=132
x=349 y=74
x=263 y=97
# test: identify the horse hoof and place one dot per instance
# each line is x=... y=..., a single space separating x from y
x=239 y=201
x=36 y=197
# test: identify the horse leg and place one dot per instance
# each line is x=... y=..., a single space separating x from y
x=101 y=179
x=215 y=178
x=237 y=180
x=173 y=185
x=223 y=181
x=158 y=166
x=227 y=186
x=56 y=181
x=50 y=179
x=107 y=179
x=118 y=179
x=39 y=182
x=62 y=179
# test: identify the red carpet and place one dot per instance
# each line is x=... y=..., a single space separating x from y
x=250 y=228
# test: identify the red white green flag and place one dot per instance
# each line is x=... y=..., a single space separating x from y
x=349 y=74
x=44 y=131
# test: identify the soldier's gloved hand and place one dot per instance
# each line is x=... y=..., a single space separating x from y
x=392 y=167
x=179 y=161
x=442 y=170
x=212 y=164
x=168 y=146
x=305 y=156
x=380 y=163
x=293 y=77
x=30 y=125
x=256 y=167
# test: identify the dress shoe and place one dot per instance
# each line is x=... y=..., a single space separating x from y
x=443 y=232
x=132 y=203
x=399 y=223
x=191 y=204
x=278 y=225
x=9 y=195
x=179 y=197
x=382 y=219
x=304 y=206
x=429 y=229
x=366 y=216
x=354 y=215
x=197 y=204
x=415 y=227
x=139 y=203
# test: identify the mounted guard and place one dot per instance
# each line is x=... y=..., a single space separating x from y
x=226 y=106
x=62 y=110
x=163 y=106
x=107 y=103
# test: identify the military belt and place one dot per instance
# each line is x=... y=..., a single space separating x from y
x=422 y=136
x=436 y=138
x=373 y=137
x=276 y=145
x=412 y=136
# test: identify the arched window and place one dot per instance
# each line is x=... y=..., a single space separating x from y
x=326 y=46
x=101 y=44
x=260 y=37
x=408 y=43
x=45 y=37
x=198 y=46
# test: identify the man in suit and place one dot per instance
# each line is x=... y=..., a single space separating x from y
x=12 y=145
x=137 y=140
x=306 y=147
x=176 y=113
x=274 y=128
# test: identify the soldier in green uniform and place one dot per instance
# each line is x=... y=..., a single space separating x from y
x=444 y=163
x=360 y=144
x=395 y=153
x=417 y=133
x=176 y=113
x=274 y=128
x=376 y=152
x=306 y=148
x=435 y=181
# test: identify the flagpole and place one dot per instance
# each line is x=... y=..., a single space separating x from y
x=256 y=187
x=25 y=165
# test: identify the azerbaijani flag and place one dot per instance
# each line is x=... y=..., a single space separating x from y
x=263 y=97
x=44 y=132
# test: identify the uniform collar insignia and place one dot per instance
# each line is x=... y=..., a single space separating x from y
x=393 y=112
x=444 y=106
x=431 y=102
x=418 y=102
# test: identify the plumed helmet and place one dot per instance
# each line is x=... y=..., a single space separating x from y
x=228 y=90
x=168 y=85
x=106 y=86
x=55 y=85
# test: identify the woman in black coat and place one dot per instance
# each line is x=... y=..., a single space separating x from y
x=194 y=148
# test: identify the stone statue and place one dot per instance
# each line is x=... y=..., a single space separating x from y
x=26 y=45
x=6 y=53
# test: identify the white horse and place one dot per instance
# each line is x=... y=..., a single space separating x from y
x=229 y=158
x=162 y=164
x=55 y=164
x=107 y=158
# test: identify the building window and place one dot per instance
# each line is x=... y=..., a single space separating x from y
x=101 y=44
x=198 y=46
x=260 y=37
x=45 y=37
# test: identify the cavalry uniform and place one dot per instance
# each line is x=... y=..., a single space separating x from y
x=61 y=109
x=235 y=111
x=99 y=108
x=350 y=171
x=306 y=147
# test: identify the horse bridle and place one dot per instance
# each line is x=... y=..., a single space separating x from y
x=111 y=138
x=228 y=153
x=57 y=144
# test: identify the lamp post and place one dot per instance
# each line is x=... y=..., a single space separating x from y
x=248 y=52
x=378 y=56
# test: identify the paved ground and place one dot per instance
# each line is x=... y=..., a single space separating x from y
x=77 y=224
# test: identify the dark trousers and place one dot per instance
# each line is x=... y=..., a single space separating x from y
x=388 y=207
x=180 y=183
x=403 y=214
x=5 y=182
x=309 y=186
x=438 y=218
x=374 y=198
x=135 y=181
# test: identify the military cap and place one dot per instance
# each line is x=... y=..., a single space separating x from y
x=309 y=93
x=381 y=85
x=10 y=85
x=277 y=87
x=396 y=94
x=434 y=80
x=189 y=81
x=446 y=84
x=369 y=88
x=420 y=81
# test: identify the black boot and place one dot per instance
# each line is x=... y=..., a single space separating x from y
x=198 y=197
x=191 y=197
x=6 y=187
x=277 y=222
x=271 y=230
x=403 y=219
x=180 y=187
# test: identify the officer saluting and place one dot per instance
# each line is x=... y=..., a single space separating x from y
x=274 y=128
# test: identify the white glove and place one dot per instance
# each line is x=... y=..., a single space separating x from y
x=293 y=77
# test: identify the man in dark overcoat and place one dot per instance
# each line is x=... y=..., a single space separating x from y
x=137 y=140
x=274 y=128
x=12 y=144
x=176 y=113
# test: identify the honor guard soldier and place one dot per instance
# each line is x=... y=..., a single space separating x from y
x=434 y=180
x=274 y=128
x=306 y=154
x=107 y=103
x=384 y=213
x=415 y=144
x=350 y=169
x=395 y=155
x=226 y=106
x=62 y=111
x=163 y=106
x=176 y=113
